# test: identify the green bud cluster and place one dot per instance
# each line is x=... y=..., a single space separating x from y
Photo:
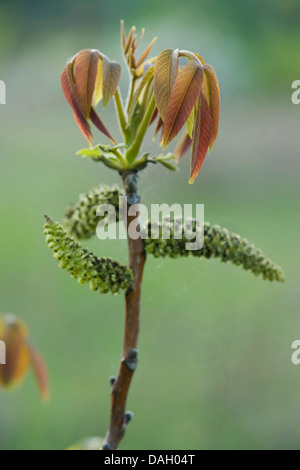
x=81 y=220
x=103 y=274
x=218 y=243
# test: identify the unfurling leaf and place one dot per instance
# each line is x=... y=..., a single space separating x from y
x=165 y=73
x=137 y=42
x=213 y=92
x=184 y=95
x=123 y=35
x=130 y=40
x=69 y=90
x=98 y=84
x=80 y=85
x=85 y=72
x=145 y=80
x=94 y=152
x=145 y=53
x=14 y=334
x=20 y=355
x=168 y=161
x=190 y=123
x=111 y=77
x=201 y=136
x=129 y=46
x=104 y=154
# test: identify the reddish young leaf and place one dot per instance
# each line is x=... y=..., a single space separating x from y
x=123 y=35
x=154 y=116
x=85 y=72
x=81 y=124
x=40 y=371
x=184 y=95
x=129 y=40
x=13 y=332
x=19 y=355
x=99 y=124
x=183 y=146
x=145 y=53
x=205 y=87
x=213 y=92
x=201 y=136
x=137 y=43
x=165 y=74
x=68 y=87
x=111 y=78
x=131 y=59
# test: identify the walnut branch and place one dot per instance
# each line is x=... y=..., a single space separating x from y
x=120 y=386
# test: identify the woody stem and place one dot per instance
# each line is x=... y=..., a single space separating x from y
x=120 y=387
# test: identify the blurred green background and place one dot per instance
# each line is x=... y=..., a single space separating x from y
x=215 y=367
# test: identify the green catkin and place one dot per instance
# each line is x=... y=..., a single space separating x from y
x=81 y=220
x=103 y=274
x=218 y=242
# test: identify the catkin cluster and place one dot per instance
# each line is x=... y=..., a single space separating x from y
x=218 y=242
x=81 y=220
x=103 y=274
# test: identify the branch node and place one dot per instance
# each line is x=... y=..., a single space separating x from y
x=128 y=416
x=130 y=179
x=112 y=380
x=132 y=359
x=129 y=290
x=106 y=446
